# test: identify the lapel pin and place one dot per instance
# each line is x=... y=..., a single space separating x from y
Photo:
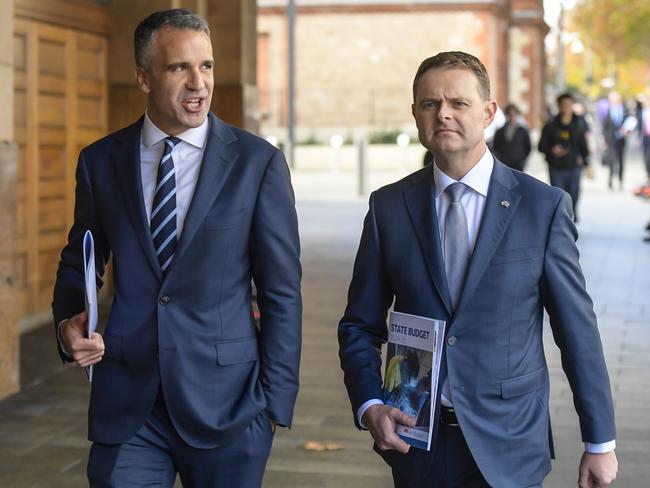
x=505 y=203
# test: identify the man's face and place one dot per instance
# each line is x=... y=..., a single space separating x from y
x=565 y=107
x=178 y=79
x=450 y=113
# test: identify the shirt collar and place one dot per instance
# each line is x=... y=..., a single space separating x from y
x=195 y=136
x=478 y=178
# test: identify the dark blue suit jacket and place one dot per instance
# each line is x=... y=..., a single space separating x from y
x=525 y=260
x=217 y=370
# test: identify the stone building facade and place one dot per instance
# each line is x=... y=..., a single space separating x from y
x=355 y=59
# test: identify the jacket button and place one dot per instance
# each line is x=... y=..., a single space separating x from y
x=164 y=300
x=451 y=340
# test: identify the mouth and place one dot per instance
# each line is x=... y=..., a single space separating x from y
x=445 y=130
x=194 y=104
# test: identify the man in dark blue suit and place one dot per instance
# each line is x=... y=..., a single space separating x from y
x=487 y=249
x=190 y=210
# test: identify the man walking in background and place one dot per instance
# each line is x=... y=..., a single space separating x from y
x=564 y=143
x=511 y=144
x=190 y=209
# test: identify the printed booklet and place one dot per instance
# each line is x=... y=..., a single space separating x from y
x=413 y=359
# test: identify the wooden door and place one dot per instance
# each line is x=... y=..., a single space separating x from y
x=60 y=107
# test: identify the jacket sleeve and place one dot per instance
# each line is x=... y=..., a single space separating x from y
x=363 y=330
x=69 y=289
x=275 y=250
x=575 y=328
x=544 y=145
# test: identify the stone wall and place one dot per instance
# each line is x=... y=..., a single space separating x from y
x=357 y=69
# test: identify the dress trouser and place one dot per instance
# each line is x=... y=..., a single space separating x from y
x=453 y=465
x=617 y=162
x=156 y=454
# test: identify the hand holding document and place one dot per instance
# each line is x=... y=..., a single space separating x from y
x=91 y=289
x=415 y=346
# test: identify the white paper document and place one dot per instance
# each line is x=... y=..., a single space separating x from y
x=413 y=359
x=91 y=289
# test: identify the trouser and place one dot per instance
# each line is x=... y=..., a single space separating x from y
x=156 y=454
x=453 y=465
x=646 y=154
x=569 y=181
x=617 y=161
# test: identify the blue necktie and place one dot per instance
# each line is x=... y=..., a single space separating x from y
x=163 y=210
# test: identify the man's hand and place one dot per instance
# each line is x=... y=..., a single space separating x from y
x=597 y=470
x=381 y=421
x=84 y=351
x=558 y=151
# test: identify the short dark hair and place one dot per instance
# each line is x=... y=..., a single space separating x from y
x=178 y=18
x=564 y=96
x=456 y=59
x=511 y=106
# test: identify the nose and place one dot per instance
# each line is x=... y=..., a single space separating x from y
x=444 y=112
x=194 y=79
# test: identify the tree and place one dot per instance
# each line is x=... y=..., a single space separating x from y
x=615 y=28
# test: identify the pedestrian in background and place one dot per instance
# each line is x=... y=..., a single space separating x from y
x=618 y=123
x=511 y=142
x=564 y=144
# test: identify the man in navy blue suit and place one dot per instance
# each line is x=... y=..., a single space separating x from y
x=487 y=249
x=190 y=210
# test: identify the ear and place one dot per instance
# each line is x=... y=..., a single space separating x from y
x=142 y=79
x=490 y=111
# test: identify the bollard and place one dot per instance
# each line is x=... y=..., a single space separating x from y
x=362 y=146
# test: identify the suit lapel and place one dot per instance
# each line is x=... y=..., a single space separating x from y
x=218 y=159
x=420 y=203
x=126 y=161
x=501 y=203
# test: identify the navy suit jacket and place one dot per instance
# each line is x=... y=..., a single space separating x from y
x=192 y=331
x=525 y=260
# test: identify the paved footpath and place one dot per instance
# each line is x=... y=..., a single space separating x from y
x=42 y=429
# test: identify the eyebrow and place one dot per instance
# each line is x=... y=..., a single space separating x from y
x=185 y=64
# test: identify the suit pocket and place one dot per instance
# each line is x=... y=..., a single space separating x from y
x=222 y=222
x=520 y=385
x=236 y=351
x=513 y=255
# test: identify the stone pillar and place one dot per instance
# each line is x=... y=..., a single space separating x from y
x=9 y=334
x=234 y=39
x=126 y=101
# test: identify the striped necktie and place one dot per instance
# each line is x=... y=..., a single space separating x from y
x=163 y=210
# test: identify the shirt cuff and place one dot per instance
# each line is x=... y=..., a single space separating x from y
x=364 y=407
x=58 y=338
x=600 y=448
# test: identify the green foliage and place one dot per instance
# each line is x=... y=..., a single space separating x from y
x=615 y=27
x=384 y=137
x=310 y=140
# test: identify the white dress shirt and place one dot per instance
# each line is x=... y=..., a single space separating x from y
x=477 y=181
x=187 y=156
